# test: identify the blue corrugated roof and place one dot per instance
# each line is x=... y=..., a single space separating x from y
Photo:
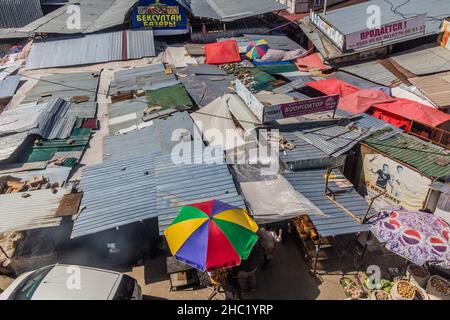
x=157 y=138
x=182 y=184
x=124 y=191
x=116 y=193
x=335 y=221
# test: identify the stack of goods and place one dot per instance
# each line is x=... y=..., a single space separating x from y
x=438 y=288
x=351 y=289
x=305 y=228
x=9 y=184
x=418 y=275
x=253 y=78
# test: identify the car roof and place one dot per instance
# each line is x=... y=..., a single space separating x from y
x=61 y=281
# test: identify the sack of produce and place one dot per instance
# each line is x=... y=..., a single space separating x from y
x=418 y=275
x=438 y=288
x=380 y=295
x=403 y=290
x=421 y=294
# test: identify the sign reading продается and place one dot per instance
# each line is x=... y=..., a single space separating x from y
x=386 y=32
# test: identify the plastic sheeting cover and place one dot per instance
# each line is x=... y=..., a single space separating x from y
x=271 y=198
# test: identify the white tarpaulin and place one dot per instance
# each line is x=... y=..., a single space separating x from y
x=271 y=198
x=216 y=124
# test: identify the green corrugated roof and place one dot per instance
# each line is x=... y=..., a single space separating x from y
x=43 y=150
x=429 y=159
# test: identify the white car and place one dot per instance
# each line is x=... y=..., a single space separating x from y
x=67 y=282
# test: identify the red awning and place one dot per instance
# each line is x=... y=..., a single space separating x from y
x=312 y=61
x=414 y=111
x=361 y=101
x=333 y=86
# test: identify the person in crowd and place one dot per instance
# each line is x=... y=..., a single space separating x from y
x=248 y=268
x=269 y=239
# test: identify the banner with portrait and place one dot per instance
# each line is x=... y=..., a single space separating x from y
x=404 y=187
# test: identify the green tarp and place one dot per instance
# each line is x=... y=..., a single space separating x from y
x=169 y=98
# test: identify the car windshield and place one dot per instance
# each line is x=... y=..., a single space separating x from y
x=28 y=286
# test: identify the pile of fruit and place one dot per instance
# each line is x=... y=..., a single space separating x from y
x=351 y=289
x=440 y=285
x=406 y=290
x=305 y=228
x=381 y=295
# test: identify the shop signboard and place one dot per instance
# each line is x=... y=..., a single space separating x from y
x=404 y=187
x=268 y=113
x=386 y=32
x=164 y=17
x=332 y=33
x=301 y=108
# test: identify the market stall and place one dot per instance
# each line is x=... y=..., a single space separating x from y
x=422 y=240
x=331 y=235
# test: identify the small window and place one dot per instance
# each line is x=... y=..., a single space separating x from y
x=125 y=289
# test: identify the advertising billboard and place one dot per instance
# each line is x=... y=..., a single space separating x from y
x=404 y=187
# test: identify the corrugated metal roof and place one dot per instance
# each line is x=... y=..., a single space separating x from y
x=335 y=221
x=436 y=88
x=116 y=193
x=53 y=122
x=334 y=140
x=127 y=190
x=66 y=86
x=10 y=143
x=8 y=86
x=372 y=71
x=18 y=13
x=354 y=18
x=217 y=84
x=91 y=49
x=231 y=10
x=198 y=90
x=354 y=80
x=10 y=70
x=366 y=121
x=157 y=138
x=290 y=86
x=430 y=160
x=36 y=211
x=205 y=69
x=183 y=184
x=21 y=119
x=275 y=42
x=149 y=77
x=96 y=15
x=48 y=119
x=425 y=60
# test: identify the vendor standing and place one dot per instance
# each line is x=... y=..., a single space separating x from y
x=269 y=240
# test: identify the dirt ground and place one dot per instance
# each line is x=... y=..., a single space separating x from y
x=287 y=277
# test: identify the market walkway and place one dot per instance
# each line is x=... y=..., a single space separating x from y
x=286 y=277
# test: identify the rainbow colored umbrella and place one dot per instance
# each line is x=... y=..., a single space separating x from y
x=211 y=235
x=257 y=49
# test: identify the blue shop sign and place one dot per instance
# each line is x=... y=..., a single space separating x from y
x=164 y=17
